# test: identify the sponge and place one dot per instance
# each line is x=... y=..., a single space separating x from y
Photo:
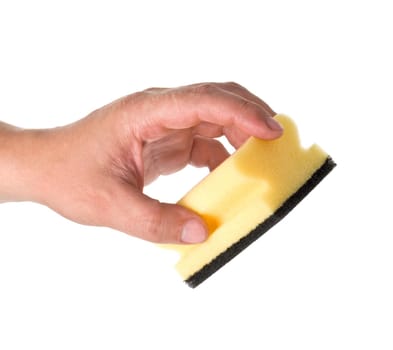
x=246 y=195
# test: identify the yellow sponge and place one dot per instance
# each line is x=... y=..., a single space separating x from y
x=246 y=195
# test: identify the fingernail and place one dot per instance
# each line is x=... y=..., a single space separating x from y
x=193 y=232
x=273 y=124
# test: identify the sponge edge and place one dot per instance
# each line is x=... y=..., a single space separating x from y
x=208 y=269
x=248 y=194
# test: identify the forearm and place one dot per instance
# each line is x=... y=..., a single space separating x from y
x=19 y=163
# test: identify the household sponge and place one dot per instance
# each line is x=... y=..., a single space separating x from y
x=246 y=195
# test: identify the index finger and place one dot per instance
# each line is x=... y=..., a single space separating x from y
x=187 y=107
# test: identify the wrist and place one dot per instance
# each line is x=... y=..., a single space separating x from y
x=22 y=156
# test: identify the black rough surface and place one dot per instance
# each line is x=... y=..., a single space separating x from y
x=219 y=261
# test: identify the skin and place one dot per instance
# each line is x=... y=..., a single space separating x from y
x=93 y=171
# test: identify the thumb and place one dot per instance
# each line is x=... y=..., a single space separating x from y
x=158 y=222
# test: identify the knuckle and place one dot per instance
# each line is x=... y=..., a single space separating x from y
x=234 y=85
x=152 y=224
x=153 y=90
x=204 y=88
x=247 y=105
x=249 y=108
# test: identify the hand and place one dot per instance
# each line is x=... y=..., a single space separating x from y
x=93 y=171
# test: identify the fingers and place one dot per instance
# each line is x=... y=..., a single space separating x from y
x=206 y=129
x=146 y=218
x=242 y=91
x=151 y=220
x=234 y=135
x=226 y=105
x=207 y=152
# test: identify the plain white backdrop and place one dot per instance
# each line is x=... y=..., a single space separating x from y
x=320 y=279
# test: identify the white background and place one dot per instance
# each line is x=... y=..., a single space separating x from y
x=321 y=279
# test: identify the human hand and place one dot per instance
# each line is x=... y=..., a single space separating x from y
x=93 y=171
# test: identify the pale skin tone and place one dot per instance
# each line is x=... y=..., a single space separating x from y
x=93 y=171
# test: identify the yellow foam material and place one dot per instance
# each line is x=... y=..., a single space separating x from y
x=245 y=190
